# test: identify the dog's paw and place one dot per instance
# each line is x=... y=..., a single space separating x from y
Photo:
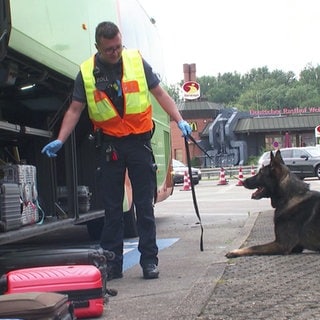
x=232 y=254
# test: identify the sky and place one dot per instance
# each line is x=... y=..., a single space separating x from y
x=222 y=36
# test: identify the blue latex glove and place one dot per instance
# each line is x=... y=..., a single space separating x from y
x=184 y=126
x=52 y=148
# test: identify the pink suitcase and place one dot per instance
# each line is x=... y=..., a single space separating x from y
x=82 y=284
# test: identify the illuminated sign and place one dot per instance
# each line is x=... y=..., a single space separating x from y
x=317 y=135
x=191 y=90
x=284 y=111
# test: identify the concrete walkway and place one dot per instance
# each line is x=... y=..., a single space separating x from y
x=209 y=286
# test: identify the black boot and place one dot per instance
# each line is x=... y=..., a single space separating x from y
x=150 y=271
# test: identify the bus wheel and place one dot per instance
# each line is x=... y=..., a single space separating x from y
x=130 y=223
x=94 y=228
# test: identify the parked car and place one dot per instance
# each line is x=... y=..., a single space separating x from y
x=303 y=161
x=179 y=170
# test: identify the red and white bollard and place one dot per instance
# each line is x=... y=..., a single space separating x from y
x=240 y=178
x=222 y=179
x=186 y=182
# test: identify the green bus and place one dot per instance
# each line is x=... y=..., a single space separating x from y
x=42 y=43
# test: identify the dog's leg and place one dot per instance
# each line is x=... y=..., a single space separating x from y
x=271 y=248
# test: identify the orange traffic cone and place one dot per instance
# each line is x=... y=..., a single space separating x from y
x=186 y=182
x=252 y=171
x=240 y=178
x=222 y=180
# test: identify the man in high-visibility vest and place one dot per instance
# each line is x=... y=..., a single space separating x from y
x=116 y=84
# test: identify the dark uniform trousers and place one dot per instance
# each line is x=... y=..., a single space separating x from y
x=133 y=153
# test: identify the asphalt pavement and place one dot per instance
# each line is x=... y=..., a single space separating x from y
x=205 y=285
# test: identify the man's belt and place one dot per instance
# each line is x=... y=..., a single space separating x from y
x=140 y=136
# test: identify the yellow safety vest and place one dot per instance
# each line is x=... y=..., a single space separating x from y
x=137 y=117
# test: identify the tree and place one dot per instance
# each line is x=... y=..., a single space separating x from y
x=301 y=95
x=311 y=75
x=260 y=89
x=174 y=91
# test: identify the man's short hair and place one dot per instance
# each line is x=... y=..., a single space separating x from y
x=106 y=30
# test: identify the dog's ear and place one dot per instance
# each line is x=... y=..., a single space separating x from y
x=271 y=156
x=277 y=158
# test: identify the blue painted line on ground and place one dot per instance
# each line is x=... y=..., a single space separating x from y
x=132 y=255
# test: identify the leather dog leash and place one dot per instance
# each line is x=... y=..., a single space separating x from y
x=195 y=204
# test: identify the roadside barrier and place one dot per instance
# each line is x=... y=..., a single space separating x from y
x=230 y=172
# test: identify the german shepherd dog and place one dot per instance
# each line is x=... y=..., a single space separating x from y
x=296 y=215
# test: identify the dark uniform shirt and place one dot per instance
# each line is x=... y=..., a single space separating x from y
x=108 y=78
